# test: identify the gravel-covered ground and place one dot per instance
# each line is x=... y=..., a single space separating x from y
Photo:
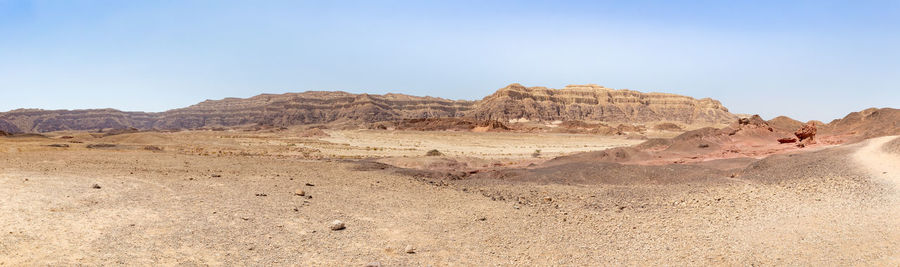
x=166 y=207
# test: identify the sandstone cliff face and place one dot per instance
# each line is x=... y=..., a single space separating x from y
x=589 y=102
x=36 y=120
x=310 y=108
x=597 y=103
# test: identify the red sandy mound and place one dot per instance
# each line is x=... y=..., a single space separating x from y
x=748 y=137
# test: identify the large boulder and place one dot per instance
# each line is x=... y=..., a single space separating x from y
x=806 y=134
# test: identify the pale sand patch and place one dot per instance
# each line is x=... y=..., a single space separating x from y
x=879 y=163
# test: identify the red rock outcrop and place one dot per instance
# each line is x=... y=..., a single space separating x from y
x=787 y=140
x=806 y=134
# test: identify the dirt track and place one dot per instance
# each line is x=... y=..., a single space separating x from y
x=168 y=208
x=879 y=162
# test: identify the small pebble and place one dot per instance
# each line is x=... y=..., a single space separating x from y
x=409 y=249
x=336 y=225
x=96 y=186
x=299 y=192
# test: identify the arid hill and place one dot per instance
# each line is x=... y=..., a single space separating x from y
x=785 y=123
x=574 y=103
x=597 y=103
x=873 y=122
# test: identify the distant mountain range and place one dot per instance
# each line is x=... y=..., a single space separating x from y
x=513 y=102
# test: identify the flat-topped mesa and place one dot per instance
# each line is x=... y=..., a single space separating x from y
x=597 y=103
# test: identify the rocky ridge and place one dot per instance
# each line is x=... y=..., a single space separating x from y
x=514 y=102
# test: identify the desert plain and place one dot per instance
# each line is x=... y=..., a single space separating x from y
x=268 y=197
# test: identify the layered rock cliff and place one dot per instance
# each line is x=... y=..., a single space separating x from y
x=37 y=120
x=597 y=103
x=310 y=108
x=277 y=110
x=587 y=102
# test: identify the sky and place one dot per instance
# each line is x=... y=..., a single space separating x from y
x=804 y=59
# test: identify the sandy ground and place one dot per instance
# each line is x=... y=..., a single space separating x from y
x=184 y=207
x=470 y=144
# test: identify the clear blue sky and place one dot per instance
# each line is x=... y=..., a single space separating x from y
x=805 y=59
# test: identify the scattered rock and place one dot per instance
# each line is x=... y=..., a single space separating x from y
x=336 y=225
x=58 y=145
x=153 y=148
x=299 y=192
x=373 y=264
x=481 y=219
x=216 y=175
x=309 y=184
x=261 y=195
x=96 y=186
x=409 y=249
